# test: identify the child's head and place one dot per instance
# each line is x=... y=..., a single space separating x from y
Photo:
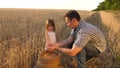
x=50 y=25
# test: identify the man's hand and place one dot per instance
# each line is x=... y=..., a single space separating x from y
x=50 y=47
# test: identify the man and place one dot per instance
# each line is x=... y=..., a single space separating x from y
x=87 y=40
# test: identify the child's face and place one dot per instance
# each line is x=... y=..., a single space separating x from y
x=50 y=28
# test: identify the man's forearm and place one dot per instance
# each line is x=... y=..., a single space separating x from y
x=72 y=52
x=65 y=51
x=64 y=42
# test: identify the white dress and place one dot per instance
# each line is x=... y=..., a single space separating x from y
x=52 y=37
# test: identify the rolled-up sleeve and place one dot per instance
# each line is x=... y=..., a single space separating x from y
x=82 y=39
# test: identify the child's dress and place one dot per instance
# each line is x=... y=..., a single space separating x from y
x=51 y=37
x=49 y=59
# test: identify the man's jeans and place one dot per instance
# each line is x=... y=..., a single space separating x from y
x=88 y=52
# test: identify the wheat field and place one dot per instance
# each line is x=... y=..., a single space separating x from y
x=22 y=37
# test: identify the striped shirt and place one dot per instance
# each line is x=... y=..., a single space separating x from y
x=86 y=34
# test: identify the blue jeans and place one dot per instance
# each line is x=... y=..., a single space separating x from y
x=88 y=52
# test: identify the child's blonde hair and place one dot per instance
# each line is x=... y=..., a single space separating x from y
x=50 y=22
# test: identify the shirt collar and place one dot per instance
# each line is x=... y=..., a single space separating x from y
x=79 y=26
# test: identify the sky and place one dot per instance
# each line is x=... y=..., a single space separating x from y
x=51 y=4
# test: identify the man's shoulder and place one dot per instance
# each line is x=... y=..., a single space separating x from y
x=90 y=26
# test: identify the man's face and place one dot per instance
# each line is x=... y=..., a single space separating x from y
x=69 y=22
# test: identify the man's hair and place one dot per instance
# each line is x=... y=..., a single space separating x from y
x=73 y=14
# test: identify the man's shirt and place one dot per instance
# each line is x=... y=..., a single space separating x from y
x=86 y=34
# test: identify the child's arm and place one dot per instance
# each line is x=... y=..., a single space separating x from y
x=46 y=37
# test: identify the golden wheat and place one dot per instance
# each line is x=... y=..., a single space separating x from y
x=22 y=37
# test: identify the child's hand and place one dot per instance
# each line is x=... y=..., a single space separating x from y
x=50 y=48
x=46 y=47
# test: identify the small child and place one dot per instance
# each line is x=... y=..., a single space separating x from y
x=50 y=34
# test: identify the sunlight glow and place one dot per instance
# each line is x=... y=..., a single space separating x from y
x=51 y=4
